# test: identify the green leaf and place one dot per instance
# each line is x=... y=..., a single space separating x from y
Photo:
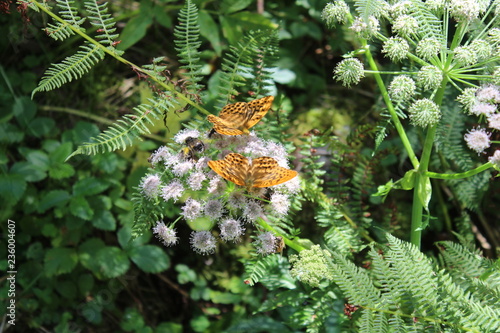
x=107 y=163
x=424 y=191
x=10 y=133
x=41 y=126
x=12 y=187
x=231 y=6
x=135 y=29
x=88 y=252
x=29 y=171
x=59 y=261
x=54 y=198
x=169 y=328
x=104 y=220
x=24 y=110
x=89 y=186
x=61 y=171
x=210 y=30
x=38 y=158
x=309 y=28
x=79 y=207
x=150 y=258
x=112 y=261
x=60 y=153
x=408 y=181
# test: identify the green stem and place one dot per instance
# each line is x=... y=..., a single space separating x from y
x=422 y=178
x=291 y=243
x=466 y=174
x=390 y=107
x=112 y=53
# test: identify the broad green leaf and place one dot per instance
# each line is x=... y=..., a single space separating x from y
x=150 y=258
x=88 y=251
x=135 y=29
x=224 y=297
x=125 y=238
x=112 y=261
x=12 y=187
x=59 y=261
x=210 y=30
x=169 y=328
x=79 y=207
x=10 y=133
x=104 y=220
x=29 y=171
x=60 y=153
x=90 y=186
x=231 y=6
x=24 y=110
x=132 y=321
x=309 y=28
x=52 y=199
x=107 y=163
x=61 y=171
x=41 y=126
x=38 y=158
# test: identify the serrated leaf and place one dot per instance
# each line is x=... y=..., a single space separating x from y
x=150 y=258
x=61 y=171
x=79 y=207
x=52 y=199
x=60 y=153
x=38 y=159
x=41 y=126
x=112 y=261
x=29 y=171
x=88 y=251
x=104 y=220
x=89 y=186
x=59 y=261
x=10 y=133
x=12 y=187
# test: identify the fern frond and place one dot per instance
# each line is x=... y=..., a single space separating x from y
x=429 y=26
x=71 y=68
x=105 y=24
x=146 y=213
x=367 y=8
x=187 y=34
x=69 y=14
x=238 y=65
x=258 y=270
x=261 y=71
x=126 y=130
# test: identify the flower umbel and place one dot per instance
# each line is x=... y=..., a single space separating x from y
x=311 y=266
x=203 y=242
x=424 y=112
x=349 y=71
x=478 y=140
x=165 y=234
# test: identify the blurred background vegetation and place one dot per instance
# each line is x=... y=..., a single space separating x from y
x=77 y=270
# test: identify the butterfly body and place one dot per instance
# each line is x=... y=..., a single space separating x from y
x=238 y=118
x=261 y=172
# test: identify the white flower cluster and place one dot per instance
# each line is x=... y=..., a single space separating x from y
x=181 y=175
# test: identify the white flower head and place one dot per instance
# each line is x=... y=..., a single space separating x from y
x=181 y=136
x=150 y=186
x=192 y=209
x=478 y=140
x=231 y=229
x=173 y=190
x=167 y=235
x=203 y=242
x=494 y=121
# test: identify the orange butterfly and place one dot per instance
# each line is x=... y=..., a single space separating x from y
x=263 y=172
x=238 y=118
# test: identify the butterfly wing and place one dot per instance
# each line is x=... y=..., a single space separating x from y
x=234 y=167
x=231 y=119
x=267 y=172
x=257 y=110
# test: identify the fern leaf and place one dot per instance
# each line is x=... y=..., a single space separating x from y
x=68 y=12
x=429 y=26
x=126 y=130
x=71 y=68
x=238 y=66
x=99 y=18
x=187 y=34
x=367 y=8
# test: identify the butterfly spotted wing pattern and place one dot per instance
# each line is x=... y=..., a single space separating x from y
x=234 y=167
x=238 y=118
x=263 y=172
x=267 y=172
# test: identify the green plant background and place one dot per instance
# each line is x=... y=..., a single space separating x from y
x=77 y=269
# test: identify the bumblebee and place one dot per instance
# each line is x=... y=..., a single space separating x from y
x=193 y=146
